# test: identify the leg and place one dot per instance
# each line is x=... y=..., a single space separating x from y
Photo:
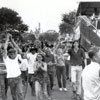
x=12 y=84
x=73 y=77
x=29 y=80
x=69 y=72
x=79 y=71
x=6 y=86
x=73 y=80
x=31 y=83
x=19 y=87
x=2 y=84
x=51 y=77
x=44 y=90
x=64 y=76
x=38 y=90
x=59 y=76
x=67 y=69
x=48 y=87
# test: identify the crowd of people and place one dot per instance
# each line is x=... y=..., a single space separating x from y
x=38 y=68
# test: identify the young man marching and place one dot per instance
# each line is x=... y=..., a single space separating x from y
x=13 y=70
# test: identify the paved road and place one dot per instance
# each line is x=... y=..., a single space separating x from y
x=56 y=94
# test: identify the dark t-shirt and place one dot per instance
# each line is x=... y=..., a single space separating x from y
x=50 y=58
x=76 y=58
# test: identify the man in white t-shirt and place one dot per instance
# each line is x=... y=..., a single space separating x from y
x=13 y=70
x=31 y=57
x=24 y=69
x=91 y=76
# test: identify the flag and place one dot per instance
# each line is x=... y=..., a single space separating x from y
x=88 y=36
x=77 y=33
x=77 y=30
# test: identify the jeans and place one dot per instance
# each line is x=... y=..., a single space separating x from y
x=16 y=88
x=2 y=86
x=32 y=83
x=61 y=72
x=67 y=65
x=76 y=78
x=50 y=83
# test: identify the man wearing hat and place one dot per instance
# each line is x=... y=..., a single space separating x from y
x=31 y=57
x=91 y=76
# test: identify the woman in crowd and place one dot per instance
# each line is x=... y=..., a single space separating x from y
x=40 y=77
x=61 y=70
x=77 y=57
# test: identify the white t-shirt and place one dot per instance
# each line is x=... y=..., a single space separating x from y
x=66 y=56
x=12 y=66
x=31 y=61
x=24 y=65
x=91 y=81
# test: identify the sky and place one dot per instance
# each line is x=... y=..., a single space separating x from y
x=46 y=12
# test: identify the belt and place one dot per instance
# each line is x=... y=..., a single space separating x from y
x=76 y=65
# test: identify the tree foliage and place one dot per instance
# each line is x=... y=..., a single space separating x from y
x=11 y=22
x=68 y=22
x=29 y=38
x=50 y=36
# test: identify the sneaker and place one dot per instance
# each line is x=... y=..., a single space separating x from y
x=65 y=89
x=60 y=89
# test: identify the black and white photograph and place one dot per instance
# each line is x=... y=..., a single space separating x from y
x=49 y=50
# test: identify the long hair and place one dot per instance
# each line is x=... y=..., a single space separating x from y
x=74 y=42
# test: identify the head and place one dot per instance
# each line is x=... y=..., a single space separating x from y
x=12 y=53
x=23 y=56
x=48 y=51
x=94 y=54
x=60 y=51
x=33 y=50
x=39 y=58
x=75 y=44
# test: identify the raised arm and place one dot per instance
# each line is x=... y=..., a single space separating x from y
x=5 y=47
x=15 y=45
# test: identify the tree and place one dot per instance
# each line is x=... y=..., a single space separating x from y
x=68 y=22
x=50 y=36
x=11 y=22
x=29 y=38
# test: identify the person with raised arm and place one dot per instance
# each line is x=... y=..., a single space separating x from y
x=13 y=69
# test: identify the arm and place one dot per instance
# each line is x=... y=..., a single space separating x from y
x=55 y=58
x=45 y=67
x=84 y=58
x=40 y=51
x=5 y=47
x=15 y=45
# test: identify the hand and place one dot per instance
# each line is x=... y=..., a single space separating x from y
x=50 y=63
